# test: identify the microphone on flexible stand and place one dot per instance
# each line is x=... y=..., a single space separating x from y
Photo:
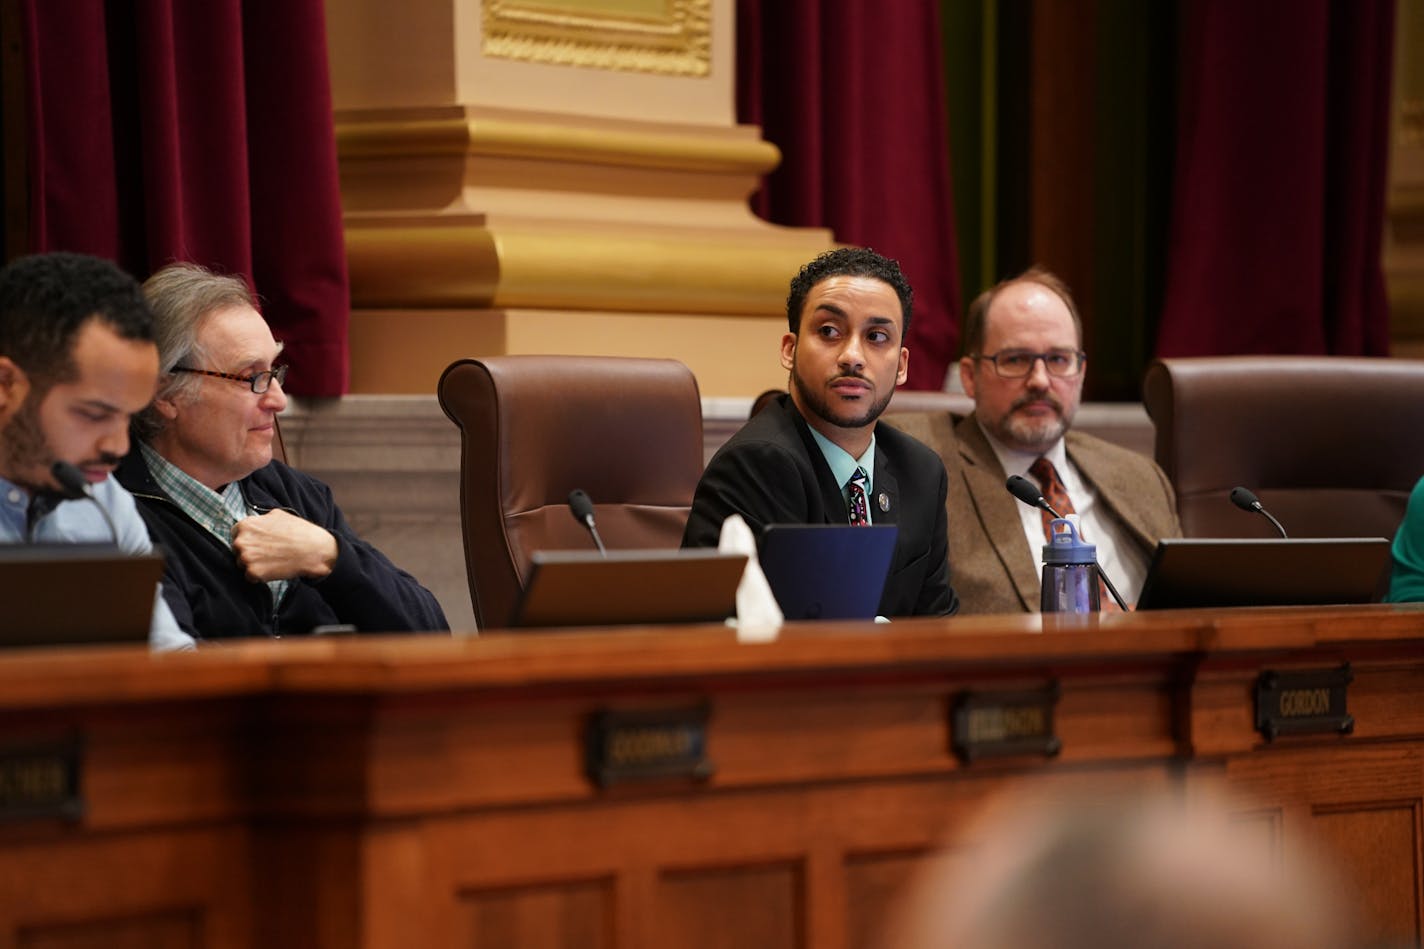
x=74 y=487
x=1244 y=499
x=582 y=507
x=1028 y=492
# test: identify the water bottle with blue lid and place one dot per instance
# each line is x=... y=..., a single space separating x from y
x=1070 y=571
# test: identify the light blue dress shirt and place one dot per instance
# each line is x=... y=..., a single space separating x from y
x=843 y=465
x=78 y=522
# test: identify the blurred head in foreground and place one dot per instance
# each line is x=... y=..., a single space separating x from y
x=1147 y=871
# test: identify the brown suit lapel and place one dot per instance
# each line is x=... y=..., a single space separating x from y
x=997 y=510
x=1118 y=487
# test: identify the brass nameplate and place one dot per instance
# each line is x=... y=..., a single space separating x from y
x=40 y=780
x=1004 y=724
x=1303 y=703
x=646 y=745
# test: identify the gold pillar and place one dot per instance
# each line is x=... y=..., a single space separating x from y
x=560 y=176
x=1404 y=228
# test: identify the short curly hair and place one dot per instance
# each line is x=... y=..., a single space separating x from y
x=848 y=262
x=46 y=299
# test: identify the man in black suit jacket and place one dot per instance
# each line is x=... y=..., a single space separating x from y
x=848 y=312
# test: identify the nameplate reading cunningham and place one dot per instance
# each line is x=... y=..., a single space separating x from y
x=1005 y=724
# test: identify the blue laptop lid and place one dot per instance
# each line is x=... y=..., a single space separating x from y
x=827 y=571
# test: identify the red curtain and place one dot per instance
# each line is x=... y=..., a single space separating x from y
x=172 y=130
x=853 y=97
x=1278 y=203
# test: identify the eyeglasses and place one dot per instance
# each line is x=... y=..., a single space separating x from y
x=1018 y=363
x=259 y=382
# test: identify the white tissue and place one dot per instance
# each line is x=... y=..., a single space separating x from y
x=758 y=616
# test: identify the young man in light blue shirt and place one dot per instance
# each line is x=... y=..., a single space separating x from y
x=77 y=360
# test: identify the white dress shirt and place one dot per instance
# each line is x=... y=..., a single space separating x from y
x=1118 y=556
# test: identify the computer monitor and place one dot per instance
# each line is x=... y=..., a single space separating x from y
x=827 y=571
x=71 y=594
x=1192 y=572
x=629 y=587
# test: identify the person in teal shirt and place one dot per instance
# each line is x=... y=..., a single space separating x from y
x=1406 y=583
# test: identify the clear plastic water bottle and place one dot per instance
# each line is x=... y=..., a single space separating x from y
x=1070 y=571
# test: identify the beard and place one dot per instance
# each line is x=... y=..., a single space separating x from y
x=1035 y=434
x=24 y=452
x=820 y=405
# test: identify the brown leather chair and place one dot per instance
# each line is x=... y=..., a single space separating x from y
x=1332 y=446
x=911 y=400
x=763 y=400
x=534 y=428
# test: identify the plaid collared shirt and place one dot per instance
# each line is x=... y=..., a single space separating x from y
x=216 y=512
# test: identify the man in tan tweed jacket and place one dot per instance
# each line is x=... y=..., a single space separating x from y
x=1024 y=368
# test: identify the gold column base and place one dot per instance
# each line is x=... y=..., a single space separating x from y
x=460 y=262
x=479 y=231
x=1404 y=271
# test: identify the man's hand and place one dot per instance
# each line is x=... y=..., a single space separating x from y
x=279 y=546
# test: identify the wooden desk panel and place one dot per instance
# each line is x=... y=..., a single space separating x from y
x=430 y=791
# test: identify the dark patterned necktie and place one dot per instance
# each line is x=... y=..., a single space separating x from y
x=859 y=513
x=1056 y=495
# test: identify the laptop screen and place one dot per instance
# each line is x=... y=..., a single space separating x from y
x=68 y=594
x=827 y=571
x=1193 y=572
x=585 y=588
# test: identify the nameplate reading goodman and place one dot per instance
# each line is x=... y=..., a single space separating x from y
x=647 y=745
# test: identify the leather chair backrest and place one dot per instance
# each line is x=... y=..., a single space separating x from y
x=533 y=428
x=910 y=400
x=1331 y=445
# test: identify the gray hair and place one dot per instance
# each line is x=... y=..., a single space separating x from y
x=182 y=295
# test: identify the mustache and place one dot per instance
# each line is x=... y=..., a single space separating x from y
x=104 y=460
x=849 y=375
x=1044 y=396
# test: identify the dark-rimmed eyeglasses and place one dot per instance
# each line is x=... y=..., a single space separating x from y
x=259 y=382
x=1017 y=363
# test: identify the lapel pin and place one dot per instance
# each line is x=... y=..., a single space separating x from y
x=883 y=500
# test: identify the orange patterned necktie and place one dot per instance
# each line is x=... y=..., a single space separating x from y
x=1056 y=495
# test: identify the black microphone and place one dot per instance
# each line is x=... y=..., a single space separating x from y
x=1028 y=492
x=582 y=507
x=1244 y=499
x=74 y=487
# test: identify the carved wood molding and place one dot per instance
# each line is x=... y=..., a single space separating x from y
x=669 y=37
